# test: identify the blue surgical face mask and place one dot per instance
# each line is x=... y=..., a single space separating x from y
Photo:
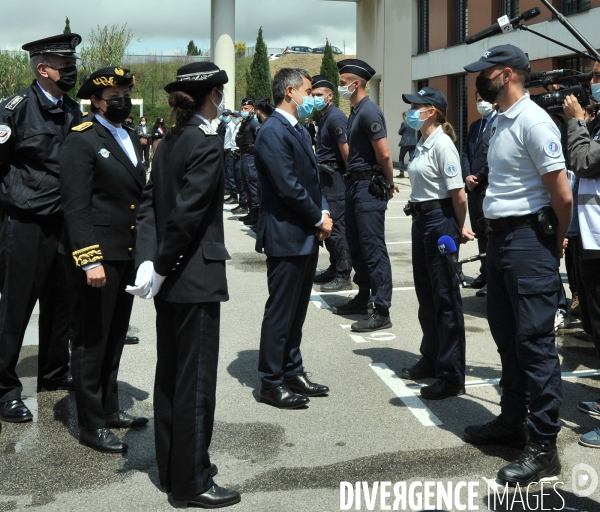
x=308 y=105
x=320 y=102
x=245 y=115
x=596 y=91
x=226 y=119
x=235 y=120
x=413 y=118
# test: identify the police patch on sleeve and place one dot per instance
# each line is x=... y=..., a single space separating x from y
x=451 y=170
x=339 y=131
x=376 y=127
x=4 y=133
x=553 y=148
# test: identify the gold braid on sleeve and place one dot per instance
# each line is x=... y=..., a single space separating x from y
x=87 y=255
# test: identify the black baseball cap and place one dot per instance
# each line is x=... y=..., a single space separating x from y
x=428 y=96
x=226 y=112
x=503 y=55
x=247 y=101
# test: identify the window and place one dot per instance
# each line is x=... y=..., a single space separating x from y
x=508 y=7
x=460 y=110
x=421 y=84
x=459 y=19
x=423 y=24
x=577 y=63
x=572 y=6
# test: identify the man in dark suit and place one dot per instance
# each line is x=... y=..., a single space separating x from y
x=475 y=175
x=293 y=219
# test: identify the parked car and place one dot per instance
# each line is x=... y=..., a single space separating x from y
x=298 y=49
x=275 y=56
x=321 y=49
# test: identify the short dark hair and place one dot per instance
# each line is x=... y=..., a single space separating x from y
x=286 y=77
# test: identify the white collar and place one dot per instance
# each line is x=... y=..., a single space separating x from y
x=48 y=95
x=110 y=127
x=289 y=117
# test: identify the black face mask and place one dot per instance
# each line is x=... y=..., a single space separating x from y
x=117 y=109
x=68 y=78
x=483 y=88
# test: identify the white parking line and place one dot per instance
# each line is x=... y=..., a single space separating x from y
x=396 y=243
x=354 y=292
x=401 y=390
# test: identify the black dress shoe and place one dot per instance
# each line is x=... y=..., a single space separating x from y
x=417 y=372
x=131 y=340
x=478 y=282
x=301 y=385
x=121 y=419
x=503 y=430
x=282 y=397
x=65 y=384
x=15 y=411
x=215 y=497
x=102 y=440
x=325 y=276
x=251 y=219
x=536 y=462
x=212 y=472
x=441 y=389
x=231 y=200
x=241 y=209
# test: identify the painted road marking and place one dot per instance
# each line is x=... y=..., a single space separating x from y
x=396 y=243
x=404 y=393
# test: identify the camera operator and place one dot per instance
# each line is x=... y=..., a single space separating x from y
x=584 y=158
x=528 y=211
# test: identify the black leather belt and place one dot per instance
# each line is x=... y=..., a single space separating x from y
x=355 y=176
x=511 y=223
x=227 y=151
x=429 y=206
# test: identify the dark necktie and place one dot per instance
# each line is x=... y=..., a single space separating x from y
x=303 y=134
x=59 y=103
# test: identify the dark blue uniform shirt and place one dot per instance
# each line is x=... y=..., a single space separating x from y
x=366 y=124
x=332 y=133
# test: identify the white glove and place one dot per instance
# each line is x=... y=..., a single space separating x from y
x=157 y=282
x=143 y=281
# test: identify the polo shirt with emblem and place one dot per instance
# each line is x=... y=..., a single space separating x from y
x=525 y=145
x=365 y=125
x=435 y=168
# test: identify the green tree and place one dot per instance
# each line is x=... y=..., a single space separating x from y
x=192 y=49
x=67 y=29
x=259 y=85
x=248 y=80
x=329 y=69
x=15 y=74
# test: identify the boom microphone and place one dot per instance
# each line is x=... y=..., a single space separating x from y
x=447 y=247
x=496 y=28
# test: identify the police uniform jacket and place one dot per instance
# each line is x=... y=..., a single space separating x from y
x=474 y=156
x=246 y=135
x=180 y=225
x=32 y=130
x=101 y=190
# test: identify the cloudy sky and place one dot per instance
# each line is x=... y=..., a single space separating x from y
x=165 y=27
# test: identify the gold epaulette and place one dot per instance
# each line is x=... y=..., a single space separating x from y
x=88 y=255
x=83 y=126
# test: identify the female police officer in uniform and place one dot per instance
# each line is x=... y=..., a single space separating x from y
x=181 y=243
x=101 y=179
x=438 y=206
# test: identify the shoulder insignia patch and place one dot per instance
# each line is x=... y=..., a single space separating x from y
x=553 y=148
x=4 y=133
x=339 y=131
x=451 y=170
x=127 y=127
x=207 y=130
x=12 y=104
x=376 y=127
x=83 y=126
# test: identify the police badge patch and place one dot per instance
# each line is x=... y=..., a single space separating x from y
x=451 y=170
x=376 y=127
x=104 y=152
x=552 y=148
x=4 y=133
x=339 y=131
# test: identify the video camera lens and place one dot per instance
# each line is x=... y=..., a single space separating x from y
x=552 y=102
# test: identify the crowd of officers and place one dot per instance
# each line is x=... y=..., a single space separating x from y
x=83 y=232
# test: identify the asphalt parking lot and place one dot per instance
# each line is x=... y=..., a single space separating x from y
x=373 y=426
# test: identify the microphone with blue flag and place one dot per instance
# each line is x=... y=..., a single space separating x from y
x=448 y=248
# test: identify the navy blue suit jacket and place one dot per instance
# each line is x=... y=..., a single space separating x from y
x=291 y=201
x=474 y=156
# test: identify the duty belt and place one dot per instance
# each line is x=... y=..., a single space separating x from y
x=511 y=223
x=355 y=176
x=416 y=209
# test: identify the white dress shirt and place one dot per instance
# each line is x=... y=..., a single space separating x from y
x=121 y=135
